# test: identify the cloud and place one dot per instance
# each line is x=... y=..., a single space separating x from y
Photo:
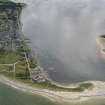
x=66 y=30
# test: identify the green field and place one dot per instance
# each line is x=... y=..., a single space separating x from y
x=9 y=57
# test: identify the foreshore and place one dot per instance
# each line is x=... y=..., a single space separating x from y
x=97 y=92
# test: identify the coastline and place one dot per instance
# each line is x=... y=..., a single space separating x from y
x=97 y=92
x=101 y=42
x=24 y=67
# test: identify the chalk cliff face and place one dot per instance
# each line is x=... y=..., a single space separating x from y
x=10 y=25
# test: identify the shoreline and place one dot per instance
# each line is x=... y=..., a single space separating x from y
x=97 y=92
x=101 y=42
x=27 y=68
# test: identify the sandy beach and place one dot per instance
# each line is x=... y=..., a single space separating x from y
x=97 y=92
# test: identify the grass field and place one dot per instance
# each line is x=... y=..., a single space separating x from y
x=9 y=57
